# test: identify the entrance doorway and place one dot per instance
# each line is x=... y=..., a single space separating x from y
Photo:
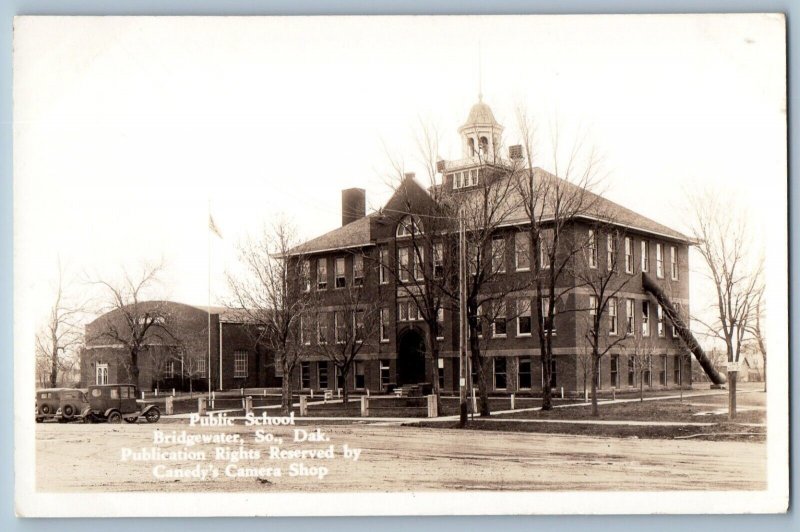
x=411 y=358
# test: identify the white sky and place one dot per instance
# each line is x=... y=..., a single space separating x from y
x=124 y=128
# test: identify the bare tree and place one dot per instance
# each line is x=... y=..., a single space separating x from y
x=130 y=320
x=268 y=293
x=641 y=349
x=552 y=204
x=756 y=331
x=58 y=339
x=734 y=272
x=356 y=325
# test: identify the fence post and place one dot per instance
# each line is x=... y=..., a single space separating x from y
x=432 y=409
x=364 y=406
x=173 y=392
x=241 y=392
x=169 y=406
x=585 y=394
x=312 y=393
x=613 y=393
x=156 y=391
x=339 y=392
x=562 y=392
x=474 y=402
x=142 y=395
x=303 y=405
x=201 y=406
x=248 y=405
x=213 y=396
x=512 y=401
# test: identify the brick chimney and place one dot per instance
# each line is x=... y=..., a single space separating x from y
x=354 y=204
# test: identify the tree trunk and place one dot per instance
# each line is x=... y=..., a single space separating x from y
x=345 y=393
x=483 y=389
x=595 y=372
x=732 y=375
x=134 y=370
x=765 y=373
x=641 y=388
x=54 y=369
x=286 y=388
x=433 y=348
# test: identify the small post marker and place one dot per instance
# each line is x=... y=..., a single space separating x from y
x=241 y=392
x=169 y=406
x=303 y=405
x=474 y=402
x=201 y=406
x=156 y=392
x=364 y=406
x=248 y=406
x=562 y=392
x=312 y=393
x=512 y=401
x=613 y=393
x=433 y=411
x=173 y=392
x=339 y=392
x=142 y=396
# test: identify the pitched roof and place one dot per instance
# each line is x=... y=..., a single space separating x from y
x=354 y=234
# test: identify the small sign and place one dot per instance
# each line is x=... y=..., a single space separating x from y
x=734 y=366
x=462 y=382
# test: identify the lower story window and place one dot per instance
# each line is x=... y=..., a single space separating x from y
x=662 y=375
x=525 y=373
x=631 y=371
x=305 y=374
x=322 y=375
x=170 y=373
x=385 y=373
x=201 y=367
x=240 y=364
x=615 y=371
x=359 y=371
x=500 y=381
x=677 y=376
x=441 y=373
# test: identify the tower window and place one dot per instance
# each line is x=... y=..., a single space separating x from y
x=471 y=145
x=484 y=145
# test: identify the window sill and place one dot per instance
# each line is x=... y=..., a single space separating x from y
x=523 y=269
x=385 y=341
x=500 y=336
x=523 y=335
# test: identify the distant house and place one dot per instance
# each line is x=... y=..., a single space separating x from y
x=178 y=350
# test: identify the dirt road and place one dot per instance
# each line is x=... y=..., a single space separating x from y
x=89 y=458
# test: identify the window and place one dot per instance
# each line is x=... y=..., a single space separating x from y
x=358 y=270
x=612 y=316
x=383 y=268
x=419 y=264
x=201 y=367
x=358 y=325
x=545 y=248
x=615 y=371
x=499 y=320
x=126 y=392
x=322 y=329
x=678 y=312
x=646 y=374
x=522 y=252
x=662 y=374
x=660 y=261
x=385 y=373
x=305 y=332
x=471 y=146
x=384 y=325
x=628 y=255
x=673 y=262
x=408 y=226
x=645 y=255
x=170 y=372
x=630 y=306
x=339 y=327
x=305 y=374
x=322 y=375
x=440 y=324
x=631 y=371
x=403 y=263
x=553 y=374
x=473 y=258
x=402 y=311
x=524 y=373
x=498 y=254
x=592 y=305
x=645 y=318
x=500 y=381
x=611 y=249
x=240 y=364
x=101 y=374
x=322 y=274
x=359 y=373
x=438 y=259
x=341 y=281
x=660 y=311
x=440 y=373
x=480 y=316
x=523 y=318
x=546 y=321
x=592 y=249
x=677 y=376
x=114 y=393
x=305 y=272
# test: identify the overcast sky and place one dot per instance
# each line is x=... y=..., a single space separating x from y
x=125 y=128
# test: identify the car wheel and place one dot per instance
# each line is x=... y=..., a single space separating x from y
x=131 y=419
x=69 y=411
x=115 y=417
x=46 y=409
x=39 y=419
x=153 y=415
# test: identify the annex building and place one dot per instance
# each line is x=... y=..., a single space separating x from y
x=356 y=255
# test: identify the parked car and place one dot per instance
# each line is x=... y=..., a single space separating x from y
x=115 y=402
x=72 y=402
x=47 y=402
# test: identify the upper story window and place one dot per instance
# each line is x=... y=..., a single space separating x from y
x=438 y=259
x=408 y=226
x=546 y=321
x=645 y=255
x=673 y=262
x=403 y=264
x=305 y=273
x=383 y=267
x=358 y=270
x=465 y=178
x=322 y=274
x=592 y=249
x=523 y=317
x=522 y=252
x=419 y=264
x=628 y=254
x=645 y=318
x=545 y=248
x=611 y=249
x=660 y=260
x=341 y=281
x=612 y=316
x=498 y=254
x=630 y=306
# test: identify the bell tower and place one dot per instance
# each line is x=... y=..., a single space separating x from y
x=481 y=133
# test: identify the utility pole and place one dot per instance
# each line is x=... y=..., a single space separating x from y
x=462 y=312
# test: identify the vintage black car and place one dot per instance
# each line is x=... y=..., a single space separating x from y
x=115 y=402
x=47 y=402
x=72 y=402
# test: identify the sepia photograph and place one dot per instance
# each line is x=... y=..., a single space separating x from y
x=400 y=265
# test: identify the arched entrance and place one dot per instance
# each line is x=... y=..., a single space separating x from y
x=411 y=358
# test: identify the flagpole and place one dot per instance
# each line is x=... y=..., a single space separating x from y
x=208 y=234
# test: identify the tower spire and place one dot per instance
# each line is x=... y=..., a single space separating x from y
x=480 y=73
